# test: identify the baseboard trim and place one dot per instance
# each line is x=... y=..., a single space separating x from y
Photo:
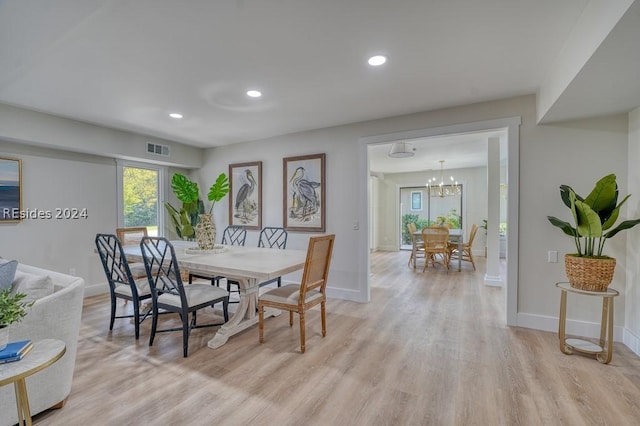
x=631 y=341
x=574 y=327
x=493 y=281
x=96 y=289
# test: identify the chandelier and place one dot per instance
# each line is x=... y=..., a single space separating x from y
x=442 y=189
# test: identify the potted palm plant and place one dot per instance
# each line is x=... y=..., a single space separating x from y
x=191 y=220
x=594 y=218
x=12 y=309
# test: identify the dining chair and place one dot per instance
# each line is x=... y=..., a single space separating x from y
x=310 y=292
x=169 y=294
x=122 y=284
x=436 y=246
x=132 y=236
x=234 y=236
x=417 y=245
x=465 y=253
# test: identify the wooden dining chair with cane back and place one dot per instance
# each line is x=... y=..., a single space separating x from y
x=417 y=245
x=436 y=246
x=309 y=293
x=132 y=236
x=122 y=284
x=466 y=253
x=169 y=294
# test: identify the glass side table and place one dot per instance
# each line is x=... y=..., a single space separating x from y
x=43 y=354
x=604 y=350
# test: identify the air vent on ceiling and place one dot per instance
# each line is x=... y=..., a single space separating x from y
x=153 y=148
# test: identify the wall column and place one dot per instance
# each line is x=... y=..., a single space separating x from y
x=492 y=277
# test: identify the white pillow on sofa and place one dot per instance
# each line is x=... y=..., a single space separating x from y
x=34 y=286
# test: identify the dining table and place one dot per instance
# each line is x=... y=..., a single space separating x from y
x=249 y=266
x=454 y=235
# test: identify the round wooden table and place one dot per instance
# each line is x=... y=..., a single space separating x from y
x=43 y=354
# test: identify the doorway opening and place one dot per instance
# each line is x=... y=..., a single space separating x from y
x=508 y=130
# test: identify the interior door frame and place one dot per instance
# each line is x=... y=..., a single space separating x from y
x=512 y=127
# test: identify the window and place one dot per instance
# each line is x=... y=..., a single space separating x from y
x=141 y=196
x=416 y=200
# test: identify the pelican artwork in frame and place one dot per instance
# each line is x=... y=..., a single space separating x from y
x=304 y=201
x=245 y=189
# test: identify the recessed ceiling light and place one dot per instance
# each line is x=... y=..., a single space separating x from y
x=176 y=115
x=254 y=93
x=376 y=61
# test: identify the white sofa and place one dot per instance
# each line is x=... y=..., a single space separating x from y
x=54 y=316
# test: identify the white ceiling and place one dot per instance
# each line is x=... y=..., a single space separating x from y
x=127 y=64
x=458 y=152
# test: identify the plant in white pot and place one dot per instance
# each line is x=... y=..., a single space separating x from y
x=12 y=310
x=594 y=218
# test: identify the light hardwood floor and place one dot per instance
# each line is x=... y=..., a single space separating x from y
x=430 y=349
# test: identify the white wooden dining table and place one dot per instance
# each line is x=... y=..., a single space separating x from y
x=454 y=234
x=249 y=266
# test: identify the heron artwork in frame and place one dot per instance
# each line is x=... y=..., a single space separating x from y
x=10 y=189
x=304 y=193
x=245 y=187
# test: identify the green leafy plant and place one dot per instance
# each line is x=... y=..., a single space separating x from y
x=12 y=307
x=593 y=216
x=186 y=218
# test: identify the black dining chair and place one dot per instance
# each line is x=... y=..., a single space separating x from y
x=169 y=294
x=122 y=285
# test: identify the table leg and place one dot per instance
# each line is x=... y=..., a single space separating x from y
x=607 y=308
x=245 y=314
x=22 y=402
x=562 y=321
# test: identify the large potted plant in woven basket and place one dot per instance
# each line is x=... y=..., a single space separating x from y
x=594 y=218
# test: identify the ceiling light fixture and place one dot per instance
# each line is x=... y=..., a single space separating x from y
x=376 y=61
x=401 y=150
x=441 y=189
x=176 y=115
x=254 y=93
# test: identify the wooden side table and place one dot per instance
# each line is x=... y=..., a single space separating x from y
x=43 y=354
x=604 y=350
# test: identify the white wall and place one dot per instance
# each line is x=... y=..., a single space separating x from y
x=60 y=179
x=56 y=179
x=574 y=153
x=632 y=297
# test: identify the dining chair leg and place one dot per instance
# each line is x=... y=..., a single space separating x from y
x=113 y=313
x=225 y=309
x=185 y=334
x=323 y=314
x=261 y=322
x=290 y=318
x=302 y=336
x=136 y=318
x=154 y=324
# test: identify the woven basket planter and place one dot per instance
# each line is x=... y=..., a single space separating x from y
x=586 y=273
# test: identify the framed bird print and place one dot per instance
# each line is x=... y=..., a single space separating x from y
x=245 y=189
x=304 y=204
